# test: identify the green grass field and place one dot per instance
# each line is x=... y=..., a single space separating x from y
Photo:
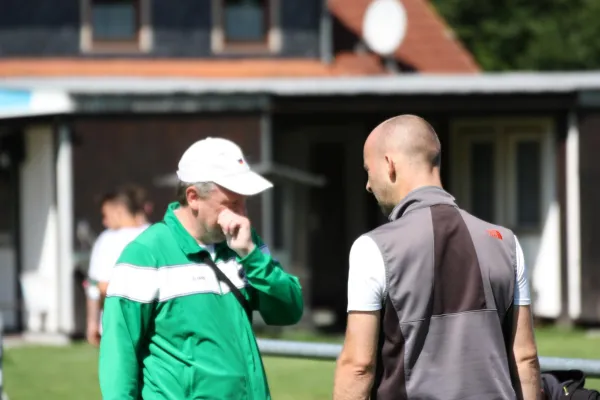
x=69 y=373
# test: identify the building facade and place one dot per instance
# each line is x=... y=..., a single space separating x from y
x=100 y=93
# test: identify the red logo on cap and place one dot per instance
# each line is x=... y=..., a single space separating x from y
x=241 y=161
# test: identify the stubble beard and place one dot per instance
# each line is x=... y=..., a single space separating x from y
x=213 y=235
x=385 y=206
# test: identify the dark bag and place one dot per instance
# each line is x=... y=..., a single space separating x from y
x=223 y=278
x=567 y=384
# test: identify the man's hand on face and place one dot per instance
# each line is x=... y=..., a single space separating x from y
x=237 y=232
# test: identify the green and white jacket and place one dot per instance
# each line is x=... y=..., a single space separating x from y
x=173 y=331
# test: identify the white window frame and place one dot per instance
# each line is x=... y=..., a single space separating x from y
x=505 y=133
x=513 y=139
x=220 y=46
x=86 y=35
x=461 y=171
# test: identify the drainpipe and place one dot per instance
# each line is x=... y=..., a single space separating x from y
x=326 y=34
x=266 y=157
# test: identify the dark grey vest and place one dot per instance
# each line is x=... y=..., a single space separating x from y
x=450 y=284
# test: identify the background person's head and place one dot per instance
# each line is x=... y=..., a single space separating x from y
x=136 y=201
x=213 y=176
x=401 y=154
x=108 y=208
x=124 y=207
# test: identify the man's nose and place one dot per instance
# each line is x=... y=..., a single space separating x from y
x=368 y=187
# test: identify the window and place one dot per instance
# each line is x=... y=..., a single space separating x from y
x=245 y=25
x=115 y=25
x=115 y=20
x=245 y=21
x=528 y=180
x=498 y=172
x=482 y=173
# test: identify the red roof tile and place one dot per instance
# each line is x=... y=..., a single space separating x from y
x=429 y=45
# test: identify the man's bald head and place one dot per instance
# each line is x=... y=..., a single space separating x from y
x=410 y=135
x=401 y=154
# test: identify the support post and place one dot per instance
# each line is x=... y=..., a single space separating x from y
x=266 y=157
x=573 y=218
x=64 y=199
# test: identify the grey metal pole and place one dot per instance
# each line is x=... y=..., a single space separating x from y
x=329 y=351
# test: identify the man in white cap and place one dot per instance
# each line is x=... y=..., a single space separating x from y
x=178 y=314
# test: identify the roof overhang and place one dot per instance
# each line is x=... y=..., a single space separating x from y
x=22 y=103
x=51 y=95
x=425 y=84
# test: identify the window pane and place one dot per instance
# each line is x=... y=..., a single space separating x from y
x=528 y=183
x=114 y=20
x=245 y=20
x=482 y=180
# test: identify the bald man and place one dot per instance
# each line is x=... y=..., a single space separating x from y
x=438 y=300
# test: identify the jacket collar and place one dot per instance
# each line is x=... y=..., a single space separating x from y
x=188 y=244
x=425 y=196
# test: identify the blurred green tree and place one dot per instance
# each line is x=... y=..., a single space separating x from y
x=527 y=35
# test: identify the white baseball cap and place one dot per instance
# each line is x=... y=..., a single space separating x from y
x=220 y=161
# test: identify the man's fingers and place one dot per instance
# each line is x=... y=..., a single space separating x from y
x=225 y=228
x=224 y=216
x=223 y=220
x=234 y=228
x=230 y=222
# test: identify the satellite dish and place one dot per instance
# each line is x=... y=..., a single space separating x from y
x=384 y=26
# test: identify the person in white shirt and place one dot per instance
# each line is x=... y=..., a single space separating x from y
x=124 y=217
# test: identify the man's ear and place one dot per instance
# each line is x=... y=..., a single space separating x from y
x=391 y=168
x=191 y=194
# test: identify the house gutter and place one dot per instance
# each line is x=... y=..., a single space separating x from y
x=326 y=34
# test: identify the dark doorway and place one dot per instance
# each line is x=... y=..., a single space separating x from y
x=328 y=238
x=375 y=216
x=11 y=155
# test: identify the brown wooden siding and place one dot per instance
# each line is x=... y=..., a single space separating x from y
x=561 y=191
x=112 y=151
x=589 y=170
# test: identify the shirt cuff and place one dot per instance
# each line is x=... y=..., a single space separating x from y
x=522 y=302
x=255 y=259
x=364 y=307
